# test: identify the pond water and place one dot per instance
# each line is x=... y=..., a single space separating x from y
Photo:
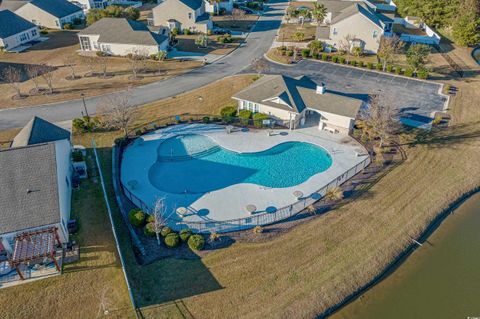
x=439 y=280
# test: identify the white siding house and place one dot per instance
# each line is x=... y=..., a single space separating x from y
x=15 y=31
x=292 y=102
x=119 y=36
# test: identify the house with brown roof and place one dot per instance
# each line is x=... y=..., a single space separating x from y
x=293 y=102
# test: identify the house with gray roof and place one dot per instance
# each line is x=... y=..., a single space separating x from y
x=35 y=191
x=120 y=36
x=15 y=30
x=38 y=131
x=53 y=14
x=350 y=24
x=294 y=101
x=182 y=14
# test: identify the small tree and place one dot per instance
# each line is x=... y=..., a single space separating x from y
x=202 y=41
x=237 y=15
x=260 y=65
x=117 y=112
x=417 y=56
x=303 y=14
x=389 y=47
x=379 y=119
x=357 y=51
x=319 y=12
x=103 y=61
x=159 y=220
x=47 y=76
x=315 y=46
x=137 y=58
x=33 y=72
x=345 y=43
x=68 y=61
x=334 y=194
x=13 y=77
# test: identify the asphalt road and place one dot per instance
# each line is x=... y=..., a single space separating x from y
x=415 y=100
x=257 y=43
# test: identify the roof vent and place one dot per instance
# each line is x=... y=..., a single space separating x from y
x=321 y=88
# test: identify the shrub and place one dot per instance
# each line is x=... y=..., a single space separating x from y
x=174 y=31
x=334 y=59
x=149 y=219
x=196 y=242
x=315 y=55
x=187 y=31
x=68 y=26
x=85 y=124
x=289 y=52
x=214 y=237
x=205 y=119
x=136 y=217
x=408 y=72
x=43 y=32
x=138 y=132
x=258 y=229
x=77 y=156
x=244 y=116
x=172 y=240
x=165 y=231
x=324 y=57
x=209 y=32
x=353 y=63
x=398 y=70
x=422 y=74
x=342 y=60
x=185 y=234
x=222 y=11
x=379 y=66
x=149 y=229
x=227 y=113
x=389 y=68
x=258 y=119
x=360 y=64
x=305 y=53
x=370 y=65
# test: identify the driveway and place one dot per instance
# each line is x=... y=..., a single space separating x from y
x=415 y=100
x=256 y=44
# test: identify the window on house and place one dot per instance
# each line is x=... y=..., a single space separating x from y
x=335 y=31
x=56 y=23
x=189 y=15
x=375 y=33
x=34 y=32
x=85 y=43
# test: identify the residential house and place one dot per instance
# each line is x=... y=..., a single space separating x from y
x=91 y=4
x=183 y=14
x=119 y=36
x=53 y=14
x=350 y=24
x=35 y=192
x=296 y=102
x=15 y=30
x=212 y=6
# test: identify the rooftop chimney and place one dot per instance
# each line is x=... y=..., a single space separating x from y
x=321 y=88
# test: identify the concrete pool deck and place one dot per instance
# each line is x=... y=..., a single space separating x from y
x=230 y=202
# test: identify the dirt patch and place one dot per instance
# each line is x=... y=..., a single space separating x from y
x=243 y=25
x=187 y=43
x=287 y=32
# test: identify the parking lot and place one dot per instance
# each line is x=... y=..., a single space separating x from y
x=416 y=100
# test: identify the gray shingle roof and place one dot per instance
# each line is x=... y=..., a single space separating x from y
x=39 y=131
x=343 y=9
x=57 y=8
x=298 y=93
x=11 y=24
x=28 y=188
x=123 y=31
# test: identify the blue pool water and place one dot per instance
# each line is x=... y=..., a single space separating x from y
x=196 y=164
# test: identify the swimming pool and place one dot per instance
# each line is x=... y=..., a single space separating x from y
x=194 y=164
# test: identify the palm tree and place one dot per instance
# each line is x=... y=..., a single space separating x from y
x=319 y=12
x=334 y=194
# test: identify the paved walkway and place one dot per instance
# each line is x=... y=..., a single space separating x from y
x=256 y=44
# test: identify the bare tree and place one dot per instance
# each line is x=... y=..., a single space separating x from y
x=389 y=46
x=159 y=219
x=13 y=76
x=237 y=15
x=379 y=119
x=137 y=58
x=345 y=43
x=91 y=63
x=33 y=72
x=103 y=63
x=117 y=111
x=47 y=75
x=260 y=65
x=68 y=61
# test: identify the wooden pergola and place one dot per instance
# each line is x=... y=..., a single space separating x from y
x=31 y=246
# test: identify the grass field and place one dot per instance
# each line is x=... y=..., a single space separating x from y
x=296 y=275
x=187 y=43
x=243 y=25
x=60 y=48
x=287 y=32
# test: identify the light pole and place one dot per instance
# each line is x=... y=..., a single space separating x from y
x=84 y=105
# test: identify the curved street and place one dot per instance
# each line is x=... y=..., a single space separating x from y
x=256 y=44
